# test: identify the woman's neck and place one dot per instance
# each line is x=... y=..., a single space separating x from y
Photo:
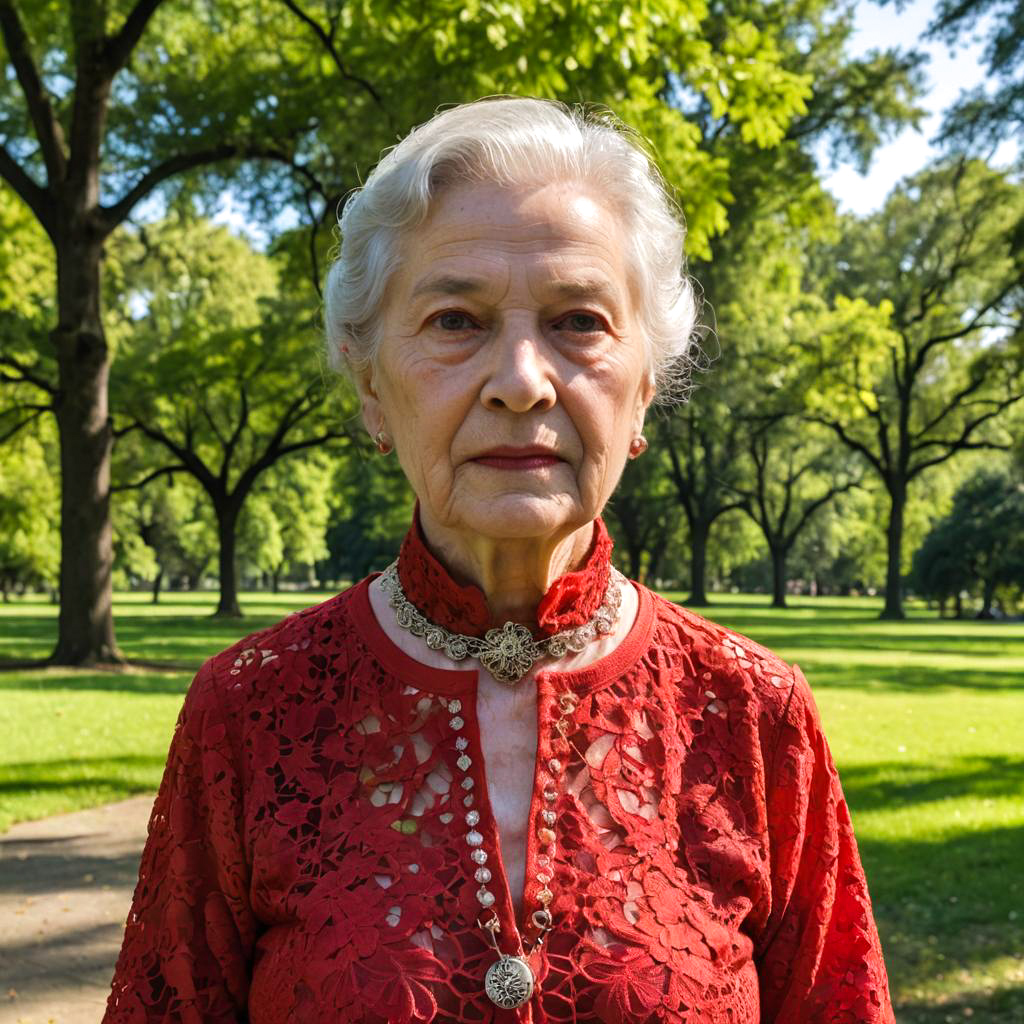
x=513 y=574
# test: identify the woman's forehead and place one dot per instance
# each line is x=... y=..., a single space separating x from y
x=521 y=214
x=556 y=236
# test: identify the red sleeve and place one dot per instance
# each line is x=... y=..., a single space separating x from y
x=819 y=958
x=190 y=932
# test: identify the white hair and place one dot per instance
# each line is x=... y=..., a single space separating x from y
x=516 y=141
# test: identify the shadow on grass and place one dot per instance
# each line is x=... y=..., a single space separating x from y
x=946 y=910
x=172 y=640
x=894 y=784
x=912 y=677
x=48 y=679
x=1001 y=1007
x=19 y=777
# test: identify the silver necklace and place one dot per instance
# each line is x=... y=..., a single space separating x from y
x=510 y=651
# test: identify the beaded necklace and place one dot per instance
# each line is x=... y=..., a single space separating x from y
x=508 y=654
x=510 y=980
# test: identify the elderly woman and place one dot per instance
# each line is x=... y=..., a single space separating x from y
x=499 y=781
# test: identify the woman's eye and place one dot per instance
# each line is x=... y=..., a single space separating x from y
x=582 y=323
x=453 y=321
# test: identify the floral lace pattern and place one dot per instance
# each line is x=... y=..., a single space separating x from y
x=571 y=600
x=306 y=855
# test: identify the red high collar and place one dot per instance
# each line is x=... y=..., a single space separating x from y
x=571 y=600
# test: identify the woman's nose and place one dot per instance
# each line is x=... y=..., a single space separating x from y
x=521 y=376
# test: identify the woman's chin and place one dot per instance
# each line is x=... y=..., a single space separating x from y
x=520 y=515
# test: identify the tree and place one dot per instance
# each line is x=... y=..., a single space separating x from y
x=88 y=130
x=284 y=525
x=923 y=363
x=982 y=117
x=793 y=477
x=642 y=510
x=705 y=444
x=374 y=503
x=164 y=533
x=751 y=270
x=980 y=544
x=107 y=107
x=221 y=376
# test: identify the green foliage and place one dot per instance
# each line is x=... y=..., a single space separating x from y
x=986 y=116
x=284 y=524
x=27 y=277
x=29 y=500
x=979 y=546
x=219 y=371
x=164 y=532
x=374 y=509
x=924 y=320
x=27 y=282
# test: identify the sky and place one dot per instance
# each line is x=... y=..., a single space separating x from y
x=947 y=73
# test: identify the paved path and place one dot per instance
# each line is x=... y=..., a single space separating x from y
x=66 y=885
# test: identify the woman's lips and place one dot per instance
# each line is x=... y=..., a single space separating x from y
x=518 y=458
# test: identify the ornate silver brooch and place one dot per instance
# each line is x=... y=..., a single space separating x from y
x=508 y=652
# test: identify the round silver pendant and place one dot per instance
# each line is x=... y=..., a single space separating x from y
x=509 y=982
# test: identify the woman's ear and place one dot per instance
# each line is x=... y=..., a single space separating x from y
x=644 y=399
x=369 y=400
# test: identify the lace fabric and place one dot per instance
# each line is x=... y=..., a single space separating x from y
x=306 y=858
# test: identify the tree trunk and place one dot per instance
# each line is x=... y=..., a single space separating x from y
x=275 y=581
x=894 y=534
x=699 y=533
x=227 y=523
x=778 y=576
x=156 y=584
x=85 y=631
x=988 y=592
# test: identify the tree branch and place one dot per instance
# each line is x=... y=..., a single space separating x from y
x=966 y=446
x=232 y=441
x=190 y=461
x=25 y=376
x=963 y=442
x=850 y=442
x=112 y=216
x=38 y=411
x=118 y=48
x=32 y=194
x=327 y=41
x=48 y=129
x=813 y=507
x=149 y=478
x=950 y=406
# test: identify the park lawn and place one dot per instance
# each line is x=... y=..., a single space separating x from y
x=925 y=718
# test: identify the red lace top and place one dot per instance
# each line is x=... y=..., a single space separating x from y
x=306 y=859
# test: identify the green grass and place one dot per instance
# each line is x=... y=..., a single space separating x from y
x=925 y=718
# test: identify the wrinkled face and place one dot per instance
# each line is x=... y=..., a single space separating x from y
x=511 y=373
